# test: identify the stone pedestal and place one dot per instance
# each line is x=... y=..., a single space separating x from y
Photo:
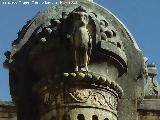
x=78 y=96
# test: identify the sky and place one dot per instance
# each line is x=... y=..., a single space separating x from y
x=141 y=17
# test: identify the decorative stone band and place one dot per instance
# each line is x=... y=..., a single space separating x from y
x=81 y=79
x=78 y=90
x=78 y=98
x=101 y=99
x=96 y=79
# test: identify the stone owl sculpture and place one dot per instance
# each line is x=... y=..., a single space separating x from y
x=81 y=40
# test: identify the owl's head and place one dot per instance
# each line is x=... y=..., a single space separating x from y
x=80 y=19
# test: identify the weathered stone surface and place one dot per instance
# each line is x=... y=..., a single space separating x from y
x=150 y=104
x=150 y=116
x=7 y=111
x=43 y=61
x=149 y=109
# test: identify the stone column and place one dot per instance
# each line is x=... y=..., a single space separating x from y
x=152 y=89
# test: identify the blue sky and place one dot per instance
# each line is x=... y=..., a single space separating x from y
x=141 y=17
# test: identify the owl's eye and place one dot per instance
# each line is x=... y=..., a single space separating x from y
x=85 y=17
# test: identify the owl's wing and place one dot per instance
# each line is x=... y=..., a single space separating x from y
x=73 y=37
x=89 y=46
x=92 y=27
